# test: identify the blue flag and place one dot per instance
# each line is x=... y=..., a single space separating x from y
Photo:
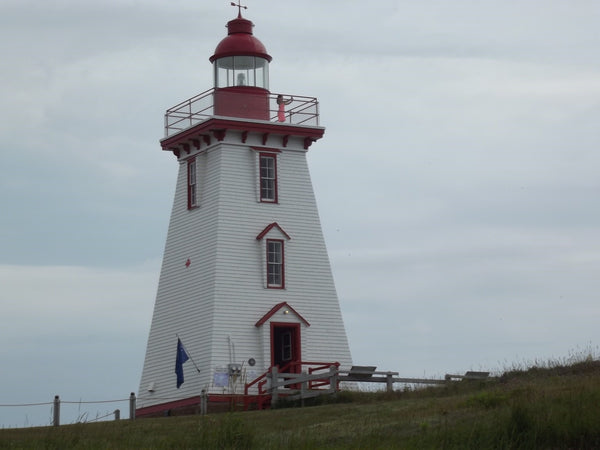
x=182 y=357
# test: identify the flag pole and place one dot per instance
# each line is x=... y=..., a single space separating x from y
x=188 y=353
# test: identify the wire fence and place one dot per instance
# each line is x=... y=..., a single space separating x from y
x=57 y=409
x=56 y=404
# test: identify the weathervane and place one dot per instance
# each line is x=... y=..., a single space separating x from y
x=240 y=6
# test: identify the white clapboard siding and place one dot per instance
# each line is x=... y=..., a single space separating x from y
x=214 y=304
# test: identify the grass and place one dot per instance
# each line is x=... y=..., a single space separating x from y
x=554 y=406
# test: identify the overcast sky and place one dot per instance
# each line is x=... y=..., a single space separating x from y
x=457 y=182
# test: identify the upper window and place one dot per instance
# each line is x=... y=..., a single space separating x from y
x=275 y=274
x=268 y=178
x=192 y=190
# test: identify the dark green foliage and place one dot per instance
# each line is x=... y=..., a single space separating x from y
x=229 y=433
x=487 y=399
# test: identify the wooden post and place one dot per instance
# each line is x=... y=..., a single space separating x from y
x=389 y=381
x=132 y=406
x=117 y=413
x=274 y=386
x=56 y=415
x=203 y=402
x=333 y=379
x=303 y=390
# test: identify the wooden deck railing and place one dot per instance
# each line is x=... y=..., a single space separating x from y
x=302 y=380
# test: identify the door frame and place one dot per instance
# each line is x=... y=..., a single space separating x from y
x=296 y=343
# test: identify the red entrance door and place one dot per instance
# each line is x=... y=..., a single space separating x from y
x=285 y=346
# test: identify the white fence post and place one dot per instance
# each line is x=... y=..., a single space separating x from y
x=389 y=381
x=132 y=406
x=56 y=416
x=274 y=386
x=303 y=389
x=333 y=378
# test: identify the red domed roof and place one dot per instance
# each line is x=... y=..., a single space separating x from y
x=240 y=41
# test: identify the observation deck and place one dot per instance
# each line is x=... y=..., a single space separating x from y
x=298 y=110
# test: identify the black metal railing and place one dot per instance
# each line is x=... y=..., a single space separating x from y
x=298 y=110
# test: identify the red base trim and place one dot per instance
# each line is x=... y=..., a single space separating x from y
x=191 y=405
x=162 y=409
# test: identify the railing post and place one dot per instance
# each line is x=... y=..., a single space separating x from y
x=389 y=381
x=203 y=402
x=56 y=415
x=117 y=413
x=333 y=379
x=132 y=406
x=303 y=389
x=274 y=386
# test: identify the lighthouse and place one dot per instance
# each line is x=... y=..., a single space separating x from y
x=245 y=282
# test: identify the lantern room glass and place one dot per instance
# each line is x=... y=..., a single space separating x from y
x=250 y=71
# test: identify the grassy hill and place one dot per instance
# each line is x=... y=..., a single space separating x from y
x=550 y=407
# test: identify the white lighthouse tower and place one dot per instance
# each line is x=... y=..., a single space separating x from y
x=245 y=282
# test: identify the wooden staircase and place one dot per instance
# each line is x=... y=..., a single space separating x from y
x=298 y=380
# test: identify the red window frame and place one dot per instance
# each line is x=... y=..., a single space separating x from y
x=275 y=264
x=192 y=183
x=268 y=178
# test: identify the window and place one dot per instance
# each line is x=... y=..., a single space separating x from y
x=242 y=71
x=286 y=346
x=268 y=178
x=275 y=264
x=191 y=184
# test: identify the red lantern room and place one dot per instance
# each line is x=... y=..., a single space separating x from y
x=239 y=98
x=241 y=73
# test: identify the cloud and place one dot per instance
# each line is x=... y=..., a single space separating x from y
x=71 y=301
x=77 y=332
